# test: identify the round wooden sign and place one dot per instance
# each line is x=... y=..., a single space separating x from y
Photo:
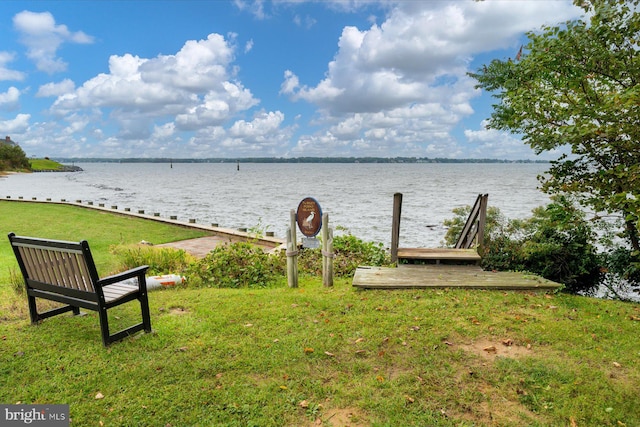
x=309 y=217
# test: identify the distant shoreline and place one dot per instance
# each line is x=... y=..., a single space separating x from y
x=292 y=160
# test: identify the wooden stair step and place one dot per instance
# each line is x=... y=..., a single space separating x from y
x=439 y=254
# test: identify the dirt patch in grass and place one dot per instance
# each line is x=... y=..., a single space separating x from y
x=178 y=311
x=498 y=407
x=341 y=417
x=490 y=349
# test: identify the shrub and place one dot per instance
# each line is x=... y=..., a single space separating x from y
x=556 y=243
x=159 y=260
x=12 y=157
x=236 y=265
x=349 y=253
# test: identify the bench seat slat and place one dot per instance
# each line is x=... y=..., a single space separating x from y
x=117 y=291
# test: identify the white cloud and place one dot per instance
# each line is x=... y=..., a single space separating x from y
x=195 y=87
x=248 y=46
x=164 y=131
x=263 y=124
x=9 y=99
x=56 y=89
x=404 y=81
x=255 y=7
x=17 y=125
x=43 y=37
x=290 y=84
x=6 y=73
x=492 y=143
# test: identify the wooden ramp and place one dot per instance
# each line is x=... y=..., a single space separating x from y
x=446 y=276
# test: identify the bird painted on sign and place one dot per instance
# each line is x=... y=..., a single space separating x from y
x=308 y=220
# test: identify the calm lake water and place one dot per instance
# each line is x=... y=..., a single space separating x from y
x=358 y=197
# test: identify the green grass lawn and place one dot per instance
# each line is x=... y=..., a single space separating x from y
x=318 y=356
x=44 y=164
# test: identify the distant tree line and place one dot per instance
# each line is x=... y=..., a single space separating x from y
x=293 y=160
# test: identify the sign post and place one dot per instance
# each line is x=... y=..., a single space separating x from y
x=292 y=252
x=327 y=252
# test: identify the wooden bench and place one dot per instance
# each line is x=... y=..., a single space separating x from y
x=65 y=272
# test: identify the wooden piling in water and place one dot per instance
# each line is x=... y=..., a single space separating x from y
x=395 y=226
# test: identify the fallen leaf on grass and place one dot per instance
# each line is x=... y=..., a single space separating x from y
x=409 y=399
x=329 y=354
x=617 y=365
x=359 y=340
x=99 y=396
x=308 y=350
x=304 y=404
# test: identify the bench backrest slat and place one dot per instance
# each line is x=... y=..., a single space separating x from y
x=60 y=266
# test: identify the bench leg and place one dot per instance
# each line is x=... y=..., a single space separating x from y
x=146 y=316
x=104 y=326
x=37 y=317
x=33 y=310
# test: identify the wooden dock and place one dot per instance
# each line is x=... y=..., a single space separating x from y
x=459 y=267
x=446 y=276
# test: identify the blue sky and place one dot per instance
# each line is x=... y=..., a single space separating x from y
x=245 y=78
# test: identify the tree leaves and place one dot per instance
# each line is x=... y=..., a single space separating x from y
x=577 y=86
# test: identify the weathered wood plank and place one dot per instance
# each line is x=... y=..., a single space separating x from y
x=446 y=276
x=436 y=254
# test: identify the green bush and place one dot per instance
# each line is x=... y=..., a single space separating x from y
x=236 y=265
x=12 y=157
x=349 y=253
x=159 y=260
x=243 y=265
x=557 y=243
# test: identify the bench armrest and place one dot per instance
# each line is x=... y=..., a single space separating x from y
x=134 y=272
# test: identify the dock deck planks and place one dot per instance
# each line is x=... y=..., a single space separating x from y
x=446 y=276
